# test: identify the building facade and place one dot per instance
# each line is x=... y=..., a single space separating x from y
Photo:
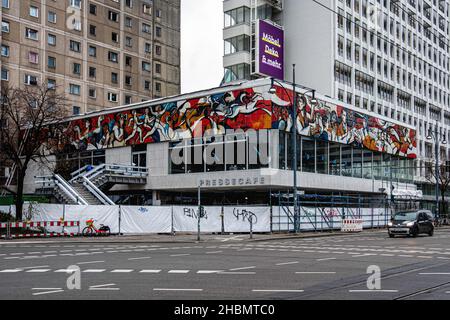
x=389 y=57
x=101 y=54
x=235 y=142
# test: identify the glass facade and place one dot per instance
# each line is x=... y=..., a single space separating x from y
x=323 y=157
x=241 y=152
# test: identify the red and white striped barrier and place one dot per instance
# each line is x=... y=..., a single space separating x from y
x=37 y=224
x=352 y=225
x=44 y=235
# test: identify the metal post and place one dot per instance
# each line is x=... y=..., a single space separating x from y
x=436 y=170
x=199 y=213
x=294 y=143
x=250 y=219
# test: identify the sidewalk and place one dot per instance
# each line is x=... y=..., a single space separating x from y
x=189 y=238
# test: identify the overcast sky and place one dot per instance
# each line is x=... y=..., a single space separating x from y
x=201 y=44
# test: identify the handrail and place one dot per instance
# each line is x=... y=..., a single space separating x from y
x=75 y=175
x=97 y=192
x=68 y=190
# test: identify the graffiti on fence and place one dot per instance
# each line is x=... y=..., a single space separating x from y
x=193 y=213
x=245 y=215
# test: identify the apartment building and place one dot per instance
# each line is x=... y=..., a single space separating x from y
x=389 y=57
x=102 y=54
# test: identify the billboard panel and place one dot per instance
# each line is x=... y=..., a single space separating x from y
x=269 y=50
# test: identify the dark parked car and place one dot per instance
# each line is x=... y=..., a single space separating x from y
x=411 y=223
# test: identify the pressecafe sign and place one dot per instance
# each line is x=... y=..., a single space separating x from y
x=269 y=50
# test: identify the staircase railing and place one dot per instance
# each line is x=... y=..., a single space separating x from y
x=104 y=199
x=59 y=182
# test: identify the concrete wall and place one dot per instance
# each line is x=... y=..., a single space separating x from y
x=118 y=155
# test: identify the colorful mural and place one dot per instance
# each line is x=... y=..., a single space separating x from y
x=238 y=109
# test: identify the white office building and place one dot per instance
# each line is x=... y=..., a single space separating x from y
x=390 y=57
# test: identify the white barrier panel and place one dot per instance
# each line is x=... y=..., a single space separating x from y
x=106 y=215
x=352 y=225
x=236 y=219
x=185 y=219
x=146 y=220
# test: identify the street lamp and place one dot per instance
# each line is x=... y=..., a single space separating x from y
x=435 y=136
x=273 y=90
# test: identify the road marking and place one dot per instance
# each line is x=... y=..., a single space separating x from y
x=103 y=287
x=435 y=274
x=11 y=270
x=244 y=268
x=208 y=271
x=89 y=262
x=180 y=255
x=281 y=291
x=287 y=263
x=367 y=291
x=140 y=258
x=16 y=254
x=38 y=270
x=65 y=270
x=167 y=289
x=326 y=259
x=122 y=271
x=213 y=252
x=49 y=291
x=94 y=270
x=236 y=273
x=150 y=271
x=179 y=271
x=363 y=255
x=316 y=272
x=10 y=258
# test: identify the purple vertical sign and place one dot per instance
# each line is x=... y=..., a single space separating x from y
x=270 y=59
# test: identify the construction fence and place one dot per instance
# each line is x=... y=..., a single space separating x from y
x=214 y=219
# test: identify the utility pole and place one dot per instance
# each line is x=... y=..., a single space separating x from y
x=294 y=145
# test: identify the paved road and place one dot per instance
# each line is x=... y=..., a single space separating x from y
x=315 y=268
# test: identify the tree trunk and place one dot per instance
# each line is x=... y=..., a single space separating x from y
x=19 y=195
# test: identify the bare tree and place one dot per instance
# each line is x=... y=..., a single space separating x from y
x=29 y=118
x=443 y=179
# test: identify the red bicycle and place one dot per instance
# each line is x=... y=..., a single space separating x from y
x=90 y=229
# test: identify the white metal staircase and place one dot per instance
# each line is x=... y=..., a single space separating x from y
x=87 y=185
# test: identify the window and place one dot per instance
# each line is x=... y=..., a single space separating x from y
x=30 y=80
x=92 y=93
x=113 y=57
x=147 y=85
x=5 y=50
x=75 y=3
x=31 y=34
x=115 y=37
x=92 y=72
x=128 y=22
x=34 y=11
x=93 y=9
x=75 y=46
x=5 y=4
x=146 y=66
x=51 y=17
x=128 y=61
x=114 y=77
x=51 y=62
x=51 y=39
x=5 y=26
x=148 y=47
x=92 y=51
x=76 y=68
x=76 y=110
x=112 y=97
x=75 y=89
x=113 y=16
x=128 y=80
x=158 y=31
x=92 y=30
x=237 y=16
x=51 y=84
x=158 y=68
x=158 y=86
x=33 y=57
x=158 y=50
x=128 y=41
x=5 y=74
x=146 y=8
x=146 y=28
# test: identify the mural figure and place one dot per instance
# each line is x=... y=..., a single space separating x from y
x=239 y=109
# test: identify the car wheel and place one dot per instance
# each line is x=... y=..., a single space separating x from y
x=431 y=233
x=391 y=235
